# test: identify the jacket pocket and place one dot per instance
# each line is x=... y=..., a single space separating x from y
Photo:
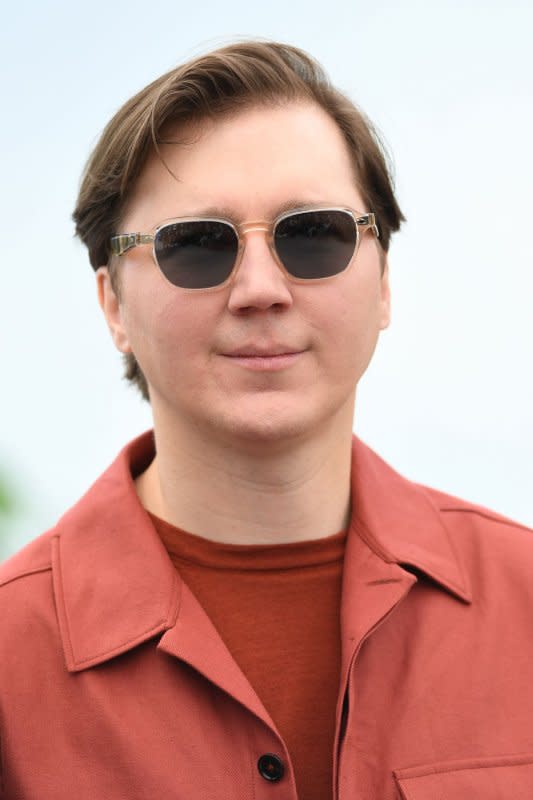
x=498 y=778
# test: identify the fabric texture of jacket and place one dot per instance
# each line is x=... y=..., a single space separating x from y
x=114 y=683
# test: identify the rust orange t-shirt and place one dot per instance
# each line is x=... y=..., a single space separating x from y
x=277 y=609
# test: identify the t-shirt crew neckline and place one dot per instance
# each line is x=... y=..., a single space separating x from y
x=196 y=549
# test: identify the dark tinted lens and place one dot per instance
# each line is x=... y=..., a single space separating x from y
x=196 y=254
x=316 y=244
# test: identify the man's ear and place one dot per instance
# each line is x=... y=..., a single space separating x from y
x=385 y=294
x=110 y=305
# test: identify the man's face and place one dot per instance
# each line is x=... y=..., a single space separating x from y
x=249 y=166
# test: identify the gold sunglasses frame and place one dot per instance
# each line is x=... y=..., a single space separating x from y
x=122 y=243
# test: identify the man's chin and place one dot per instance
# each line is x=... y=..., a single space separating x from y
x=267 y=429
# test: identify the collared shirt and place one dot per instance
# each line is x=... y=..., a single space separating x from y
x=114 y=683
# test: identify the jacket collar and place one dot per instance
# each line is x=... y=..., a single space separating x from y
x=400 y=521
x=116 y=587
x=114 y=583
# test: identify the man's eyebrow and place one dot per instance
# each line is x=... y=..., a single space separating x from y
x=227 y=212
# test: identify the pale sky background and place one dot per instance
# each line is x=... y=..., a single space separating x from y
x=448 y=398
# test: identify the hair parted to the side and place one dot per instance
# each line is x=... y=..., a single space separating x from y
x=238 y=76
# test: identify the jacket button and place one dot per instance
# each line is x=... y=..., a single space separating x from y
x=271 y=767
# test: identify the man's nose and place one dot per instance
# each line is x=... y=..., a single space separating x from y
x=259 y=282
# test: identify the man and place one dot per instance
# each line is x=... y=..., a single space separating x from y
x=249 y=603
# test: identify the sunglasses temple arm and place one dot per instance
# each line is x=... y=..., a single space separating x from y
x=368 y=221
x=125 y=241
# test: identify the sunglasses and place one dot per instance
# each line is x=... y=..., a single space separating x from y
x=309 y=244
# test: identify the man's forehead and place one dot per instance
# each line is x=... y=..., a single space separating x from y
x=243 y=175
x=159 y=195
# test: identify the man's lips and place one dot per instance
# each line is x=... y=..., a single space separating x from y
x=264 y=360
x=262 y=352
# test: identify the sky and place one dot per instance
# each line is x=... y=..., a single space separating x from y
x=448 y=397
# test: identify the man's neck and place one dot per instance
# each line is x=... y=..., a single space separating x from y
x=251 y=496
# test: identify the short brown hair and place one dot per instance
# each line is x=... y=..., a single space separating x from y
x=222 y=82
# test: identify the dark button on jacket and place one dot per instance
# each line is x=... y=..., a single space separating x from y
x=270 y=767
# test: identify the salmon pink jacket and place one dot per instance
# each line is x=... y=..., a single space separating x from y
x=115 y=685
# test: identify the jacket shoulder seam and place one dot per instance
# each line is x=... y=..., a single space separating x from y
x=487 y=515
x=25 y=573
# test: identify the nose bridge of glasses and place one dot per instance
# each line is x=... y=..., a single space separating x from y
x=256 y=225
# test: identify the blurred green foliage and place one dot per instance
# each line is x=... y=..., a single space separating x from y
x=9 y=508
x=7 y=500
